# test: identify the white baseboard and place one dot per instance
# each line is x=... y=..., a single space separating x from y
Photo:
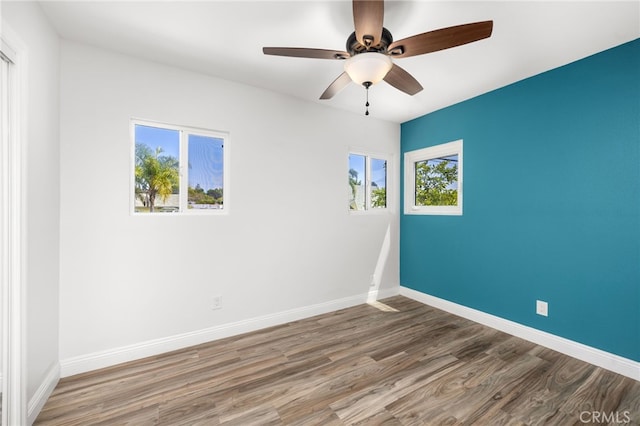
x=600 y=358
x=376 y=294
x=43 y=393
x=107 y=358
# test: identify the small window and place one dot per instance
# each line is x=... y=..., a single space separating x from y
x=179 y=169
x=367 y=182
x=433 y=180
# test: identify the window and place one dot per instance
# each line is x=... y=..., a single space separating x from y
x=367 y=182
x=433 y=180
x=178 y=169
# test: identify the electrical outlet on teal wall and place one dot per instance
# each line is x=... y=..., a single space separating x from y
x=552 y=203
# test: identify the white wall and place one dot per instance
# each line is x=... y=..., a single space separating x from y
x=41 y=163
x=288 y=242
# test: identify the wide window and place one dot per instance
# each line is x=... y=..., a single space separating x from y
x=433 y=180
x=179 y=169
x=367 y=182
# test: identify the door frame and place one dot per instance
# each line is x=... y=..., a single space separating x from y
x=13 y=231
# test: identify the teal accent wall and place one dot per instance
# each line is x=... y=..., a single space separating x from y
x=551 y=203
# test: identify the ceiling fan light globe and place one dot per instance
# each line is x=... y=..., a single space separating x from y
x=368 y=67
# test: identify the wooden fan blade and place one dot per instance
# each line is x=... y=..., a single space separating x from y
x=338 y=84
x=367 y=19
x=444 y=38
x=402 y=80
x=301 y=52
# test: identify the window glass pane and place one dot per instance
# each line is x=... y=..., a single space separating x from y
x=357 y=181
x=205 y=172
x=157 y=176
x=437 y=181
x=378 y=183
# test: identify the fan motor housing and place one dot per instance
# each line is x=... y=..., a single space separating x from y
x=354 y=46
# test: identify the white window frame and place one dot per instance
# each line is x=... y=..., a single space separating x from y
x=185 y=131
x=368 y=156
x=424 y=154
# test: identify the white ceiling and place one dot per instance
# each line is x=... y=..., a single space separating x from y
x=225 y=39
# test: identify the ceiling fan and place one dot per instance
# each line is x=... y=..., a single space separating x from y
x=370 y=49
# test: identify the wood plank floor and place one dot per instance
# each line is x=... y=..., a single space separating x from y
x=413 y=365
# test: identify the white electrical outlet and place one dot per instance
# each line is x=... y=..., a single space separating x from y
x=542 y=308
x=216 y=303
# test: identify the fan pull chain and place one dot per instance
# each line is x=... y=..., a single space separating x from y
x=367 y=104
x=366 y=85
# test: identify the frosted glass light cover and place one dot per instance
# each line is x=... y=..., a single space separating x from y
x=370 y=66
